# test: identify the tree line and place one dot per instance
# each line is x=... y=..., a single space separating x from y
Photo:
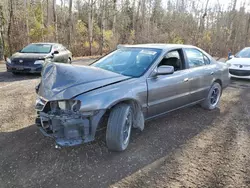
x=91 y=27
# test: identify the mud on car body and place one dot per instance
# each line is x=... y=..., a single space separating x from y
x=124 y=89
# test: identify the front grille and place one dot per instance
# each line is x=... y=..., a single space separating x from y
x=239 y=72
x=27 y=62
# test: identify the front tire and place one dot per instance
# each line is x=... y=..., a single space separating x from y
x=213 y=98
x=119 y=127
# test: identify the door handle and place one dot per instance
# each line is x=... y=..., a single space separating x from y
x=186 y=79
x=212 y=73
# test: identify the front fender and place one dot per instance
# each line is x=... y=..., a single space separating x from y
x=106 y=97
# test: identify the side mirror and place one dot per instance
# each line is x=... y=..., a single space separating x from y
x=164 y=70
x=55 y=52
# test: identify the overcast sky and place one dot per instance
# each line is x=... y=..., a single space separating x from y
x=225 y=3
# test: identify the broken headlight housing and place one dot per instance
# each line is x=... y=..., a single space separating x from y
x=67 y=105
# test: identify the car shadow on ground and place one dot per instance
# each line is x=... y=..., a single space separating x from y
x=9 y=77
x=28 y=159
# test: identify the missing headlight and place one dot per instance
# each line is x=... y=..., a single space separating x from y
x=72 y=105
x=54 y=105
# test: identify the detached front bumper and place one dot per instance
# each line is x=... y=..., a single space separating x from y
x=69 y=129
x=23 y=68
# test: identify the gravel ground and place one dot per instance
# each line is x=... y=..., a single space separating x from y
x=216 y=157
x=191 y=147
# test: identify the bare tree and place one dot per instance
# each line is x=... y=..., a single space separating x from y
x=2 y=42
x=247 y=30
x=70 y=23
x=103 y=6
x=11 y=19
x=114 y=18
x=202 y=20
x=27 y=8
x=41 y=6
x=47 y=14
x=90 y=24
x=55 y=21
x=232 y=30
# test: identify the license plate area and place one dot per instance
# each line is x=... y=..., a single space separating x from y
x=19 y=68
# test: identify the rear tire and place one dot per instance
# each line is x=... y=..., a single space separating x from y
x=213 y=98
x=119 y=127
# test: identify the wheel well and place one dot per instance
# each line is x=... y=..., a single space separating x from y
x=135 y=106
x=131 y=102
x=219 y=82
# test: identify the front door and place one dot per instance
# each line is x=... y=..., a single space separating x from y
x=169 y=92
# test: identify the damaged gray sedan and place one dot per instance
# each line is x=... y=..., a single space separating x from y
x=124 y=89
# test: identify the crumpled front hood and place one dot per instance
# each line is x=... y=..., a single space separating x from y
x=19 y=55
x=64 y=81
x=241 y=61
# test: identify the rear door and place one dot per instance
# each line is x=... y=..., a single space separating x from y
x=201 y=73
x=169 y=92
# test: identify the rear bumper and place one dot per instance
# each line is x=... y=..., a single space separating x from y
x=23 y=69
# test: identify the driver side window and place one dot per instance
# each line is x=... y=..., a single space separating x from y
x=173 y=58
x=55 y=48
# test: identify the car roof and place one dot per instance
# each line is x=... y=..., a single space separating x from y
x=46 y=43
x=157 y=46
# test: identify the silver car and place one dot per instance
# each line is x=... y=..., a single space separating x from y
x=123 y=90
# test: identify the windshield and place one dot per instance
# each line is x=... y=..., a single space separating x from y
x=245 y=53
x=37 y=48
x=132 y=62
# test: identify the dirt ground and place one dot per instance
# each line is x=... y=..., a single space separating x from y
x=191 y=147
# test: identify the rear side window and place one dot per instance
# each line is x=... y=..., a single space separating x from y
x=195 y=58
x=56 y=48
